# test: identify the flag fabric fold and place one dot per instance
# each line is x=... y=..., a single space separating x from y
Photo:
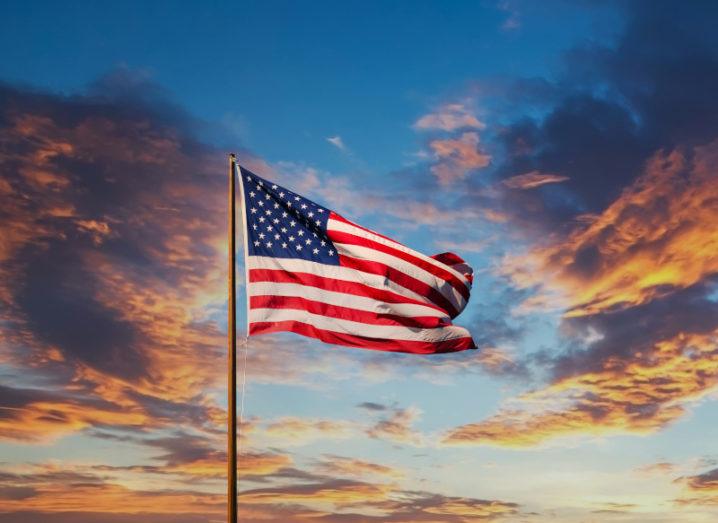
x=312 y=272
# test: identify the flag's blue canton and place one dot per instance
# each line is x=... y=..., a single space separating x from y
x=283 y=224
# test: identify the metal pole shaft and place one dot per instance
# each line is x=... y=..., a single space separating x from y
x=232 y=356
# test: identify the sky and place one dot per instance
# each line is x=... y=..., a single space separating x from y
x=566 y=150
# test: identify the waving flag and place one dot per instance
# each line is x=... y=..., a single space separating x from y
x=315 y=273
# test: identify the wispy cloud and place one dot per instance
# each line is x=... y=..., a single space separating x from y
x=532 y=180
x=455 y=157
x=337 y=142
x=450 y=117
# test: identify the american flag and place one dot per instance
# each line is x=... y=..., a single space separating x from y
x=312 y=272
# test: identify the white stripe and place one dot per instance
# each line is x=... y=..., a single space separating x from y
x=416 y=272
x=357 y=328
x=340 y=226
x=340 y=299
x=333 y=271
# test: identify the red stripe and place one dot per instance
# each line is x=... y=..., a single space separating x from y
x=344 y=237
x=402 y=279
x=344 y=313
x=333 y=284
x=339 y=218
x=364 y=342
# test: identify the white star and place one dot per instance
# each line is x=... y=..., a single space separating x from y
x=331 y=253
x=254 y=226
x=276 y=236
x=289 y=204
x=276 y=206
x=296 y=198
x=268 y=212
x=275 y=221
x=261 y=219
x=261 y=235
x=308 y=241
x=316 y=251
x=259 y=186
x=269 y=244
x=253 y=210
x=274 y=186
x=260 y=182
x=261 y=203
x=284 y=229
x=299 y=247
x=315 y=235
x=269 y=227
x=256 y=244
x=310 y=214
x=320 y=210
x=304 y=206
x=284 y=245
x=249 y=178
x=292 y=223
x=281 y=195
x=323 y=243
x=291 y=238
x=318 y=223
x=251 y=194
x=301 y=232
x=268 y=196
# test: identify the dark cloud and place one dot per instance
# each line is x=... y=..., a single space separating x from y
x=113 y=215
x=630 y=335
x=613 y=107
x=622 y=245
x=371 y=406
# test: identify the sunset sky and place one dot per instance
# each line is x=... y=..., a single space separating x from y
x=567 y=150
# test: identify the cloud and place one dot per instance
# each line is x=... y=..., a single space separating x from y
x=391 y=503
x=372 y=407
x=639 y=392
x=336 y=492
x=398 y=427
x=654 y=239
x=35 y=415
x=660 y=468
x=702 y=489
x=352 y=467
x=455 y=157
x=532 y=179
x=513 y=21
x=300 y=431
x=708 y=481
x=622 y=248
x=111 y=258
x=337 y=142
x=449 y=117
x=50 y=490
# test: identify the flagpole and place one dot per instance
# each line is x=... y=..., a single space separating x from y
x=232 y=355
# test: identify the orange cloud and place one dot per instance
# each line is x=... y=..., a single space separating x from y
x=301 y=430
x=341 y=466
x=532 y=179
x=457 y=156
x=398 y=427
x=658 y=236
x=449 y=117
x=336 y=493
x=622 y=397
x=50 y=489
x=702 y=489
x=112 y=303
